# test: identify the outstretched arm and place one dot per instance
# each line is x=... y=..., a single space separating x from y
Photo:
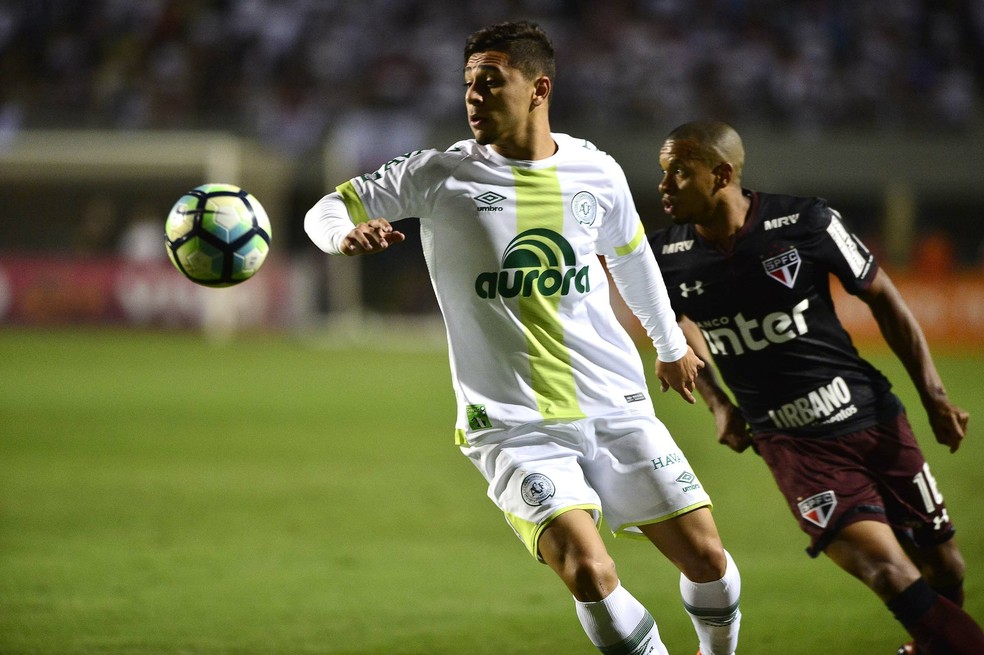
x=732 y=430
x=906 y=339
x=330 y=227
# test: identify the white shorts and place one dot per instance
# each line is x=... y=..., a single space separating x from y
x=625 y=467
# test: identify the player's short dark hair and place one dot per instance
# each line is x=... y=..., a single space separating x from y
x=716 y=141
x=525 y=42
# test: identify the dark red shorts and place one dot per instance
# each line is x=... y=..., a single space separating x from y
x=875 y=474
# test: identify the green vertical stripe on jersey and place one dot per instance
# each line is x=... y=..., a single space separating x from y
x=540 y=204
x=353 y=202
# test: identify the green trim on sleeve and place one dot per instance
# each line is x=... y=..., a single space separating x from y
x=353 y=203
x=632 y=245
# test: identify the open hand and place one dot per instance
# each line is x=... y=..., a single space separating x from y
x=371 y=237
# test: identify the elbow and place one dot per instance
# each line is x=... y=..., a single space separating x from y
x=327 y=223
x=312 y=224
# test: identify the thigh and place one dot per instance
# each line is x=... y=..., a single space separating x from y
x=826 y=482
x=913 y=502
x=691 y=541
x=639 y=472
x=534 y=475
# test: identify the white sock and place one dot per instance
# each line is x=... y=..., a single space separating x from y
x=713 y=608
x=620 y=625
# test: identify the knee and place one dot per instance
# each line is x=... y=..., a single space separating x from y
x=706 y=566
x=889 y=578
x=590 y=579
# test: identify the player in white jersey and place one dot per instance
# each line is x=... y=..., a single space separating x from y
x=553 y=407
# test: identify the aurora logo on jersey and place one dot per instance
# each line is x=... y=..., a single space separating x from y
x=537 y=261
x=817 y=509
x=783 y=267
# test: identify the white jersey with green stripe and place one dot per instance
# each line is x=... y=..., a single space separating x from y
x=512 y=249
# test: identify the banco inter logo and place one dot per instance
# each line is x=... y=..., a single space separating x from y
x=537 y=261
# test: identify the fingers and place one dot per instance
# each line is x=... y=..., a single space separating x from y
x=737 y=442
x=370 y=237
x=685 y=388
x=958 y=432
x=731 y=442
x=952 y=429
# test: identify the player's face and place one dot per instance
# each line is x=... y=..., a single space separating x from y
x=688 y=184
x=498 y=99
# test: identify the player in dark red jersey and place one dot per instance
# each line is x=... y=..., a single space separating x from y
x=749 y=276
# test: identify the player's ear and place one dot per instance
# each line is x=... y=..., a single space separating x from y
x=541 y=91
x=724 y=173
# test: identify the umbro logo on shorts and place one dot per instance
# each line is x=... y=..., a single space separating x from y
x=688 y=480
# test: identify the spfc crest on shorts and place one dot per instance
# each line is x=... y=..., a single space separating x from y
x=818 y=508
x=783 y=267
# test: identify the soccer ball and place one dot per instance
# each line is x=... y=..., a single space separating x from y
x=218 y=235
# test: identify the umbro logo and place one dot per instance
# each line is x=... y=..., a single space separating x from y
x=489 y=199
x=688 y=480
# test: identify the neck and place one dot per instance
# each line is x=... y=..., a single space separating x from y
x=530 y=145
x=728 y=218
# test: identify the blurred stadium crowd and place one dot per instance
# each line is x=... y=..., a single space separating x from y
x=285 y=70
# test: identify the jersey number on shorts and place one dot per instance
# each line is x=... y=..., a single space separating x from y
x=927 y=487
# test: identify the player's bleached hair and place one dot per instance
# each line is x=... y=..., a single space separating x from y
x=525 y=42
x=715 y=141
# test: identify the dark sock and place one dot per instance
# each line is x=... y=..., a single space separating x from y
x=909 y=606
x=938 y=626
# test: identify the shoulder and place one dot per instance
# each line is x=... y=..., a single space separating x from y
x=578 y=144
x=776 y=209
x=417 y=162
x=671 y=240
x=583 y=150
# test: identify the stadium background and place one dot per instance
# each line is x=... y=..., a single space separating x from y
x=109 y=110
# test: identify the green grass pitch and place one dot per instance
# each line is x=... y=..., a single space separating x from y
x=160 y=494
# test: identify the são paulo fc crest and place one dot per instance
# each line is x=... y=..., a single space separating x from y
x=585 y=207
x=783 y=267
x=818 y=508
x=537 y=488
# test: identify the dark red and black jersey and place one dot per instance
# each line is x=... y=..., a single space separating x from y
x=765 y=310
